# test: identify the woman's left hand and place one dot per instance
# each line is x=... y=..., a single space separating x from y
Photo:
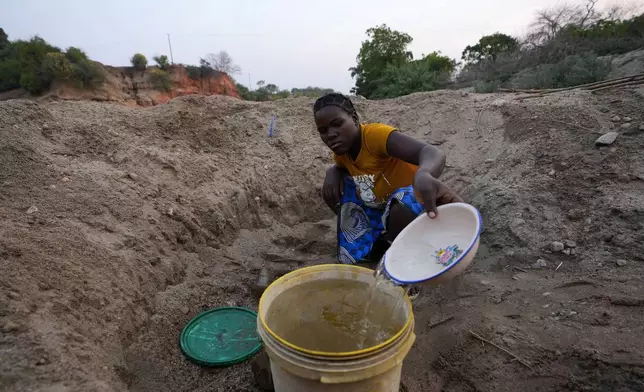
x=433 y=192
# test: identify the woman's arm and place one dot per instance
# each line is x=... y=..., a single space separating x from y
x=431 y=162
x=427 y=157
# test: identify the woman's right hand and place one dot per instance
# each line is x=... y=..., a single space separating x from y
x=333 y=187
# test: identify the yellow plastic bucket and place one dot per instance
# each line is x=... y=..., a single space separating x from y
x=296 y=369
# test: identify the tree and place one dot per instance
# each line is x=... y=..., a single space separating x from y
x=4 y=38
x=162 y=61
x=139 y=62
x=222 y=62
x=489 y=47
x=549 y=22
x=260 y=83
x=385 y=47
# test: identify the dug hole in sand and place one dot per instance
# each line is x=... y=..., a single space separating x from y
x=118 y=225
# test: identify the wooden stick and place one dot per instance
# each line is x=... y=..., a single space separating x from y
x=617 y=85
x=450 y=318
x=521 y=361
x=588 y=86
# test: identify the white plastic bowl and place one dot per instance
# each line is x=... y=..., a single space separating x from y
x=435 y=250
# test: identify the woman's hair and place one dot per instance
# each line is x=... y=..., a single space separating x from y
x=335 y=99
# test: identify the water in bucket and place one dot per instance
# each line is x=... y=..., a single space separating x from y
x=339 y=315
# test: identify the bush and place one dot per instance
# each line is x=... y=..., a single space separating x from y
x=194 y=72
x=76 y=55
x=88 y=74
x=161 y=80
x=9 y=74
x=139 y=62
x=571 y=71
x=56 y=67
x=162 y=62
x=486 y=87
x=409 y=78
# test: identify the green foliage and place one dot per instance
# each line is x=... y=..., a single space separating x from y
x=311 y=92
x=56 y=66
x=88 y=74
x=489 y=47
x=409 y=78
x=76 y=55
x=486 y=87
x=162 y=62
x=161 y=80
x=139 y=62
x=4 y=38
x=384 y=47
x=571 y=71
x=194 y=72
x=560 y=57
x=264 y=92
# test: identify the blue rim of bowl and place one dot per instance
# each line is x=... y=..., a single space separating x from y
x=469 y=248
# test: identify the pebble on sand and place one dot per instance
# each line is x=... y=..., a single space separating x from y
x=570 y=244
x=616 y=118
x=606 y=139
x=541 y=263
x=10 y=326
x=621 y=263
x=627 y=119
x=185 y=310
x=133 y=176
x=557 y=246
x=626 y=125
x=32 y=210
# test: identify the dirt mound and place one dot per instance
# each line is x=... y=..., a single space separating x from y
x=125 y=85
x=120 y=224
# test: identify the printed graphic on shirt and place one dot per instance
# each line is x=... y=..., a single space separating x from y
x=365 y=184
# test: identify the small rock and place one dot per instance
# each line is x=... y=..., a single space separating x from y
x=499 y=102
x=464 y=94
x=52 y=187
x=627 y=119
x=45 y=126
x=42 y=361
x=546 y=294
x=616 y=119
x=626 y=126
x=10 y=326
x=624 y=178
x=32 y=210
x=133 y=176
x=621 y=263
x=642 y=127
x=185 y=309
x=604 y=110
x=155 y=260
x=489 y=160
x=470 y=129
x=170 y=211
x=65 y=179
x=264 y=279
x=566 y=251
x=557 y=246
x=570 y=244
x=485 y=282
x=552 y=172
x=257 y=198
x=13 y=295
x=606 y=139
x=541 y=263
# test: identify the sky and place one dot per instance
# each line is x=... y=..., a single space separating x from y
x=291 y=43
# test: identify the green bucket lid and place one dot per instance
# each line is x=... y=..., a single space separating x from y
x=221 y=337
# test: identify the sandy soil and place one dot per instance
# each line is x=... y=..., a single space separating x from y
x=120 y=224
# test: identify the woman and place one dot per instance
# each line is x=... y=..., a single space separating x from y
x=379 y=180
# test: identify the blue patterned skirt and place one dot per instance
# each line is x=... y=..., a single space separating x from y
x=360 y=226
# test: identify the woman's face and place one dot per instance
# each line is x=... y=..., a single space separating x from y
x=338 y=129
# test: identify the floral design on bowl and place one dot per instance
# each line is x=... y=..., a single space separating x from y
x=448 y=255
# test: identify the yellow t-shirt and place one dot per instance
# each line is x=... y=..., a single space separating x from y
x=376 y=174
